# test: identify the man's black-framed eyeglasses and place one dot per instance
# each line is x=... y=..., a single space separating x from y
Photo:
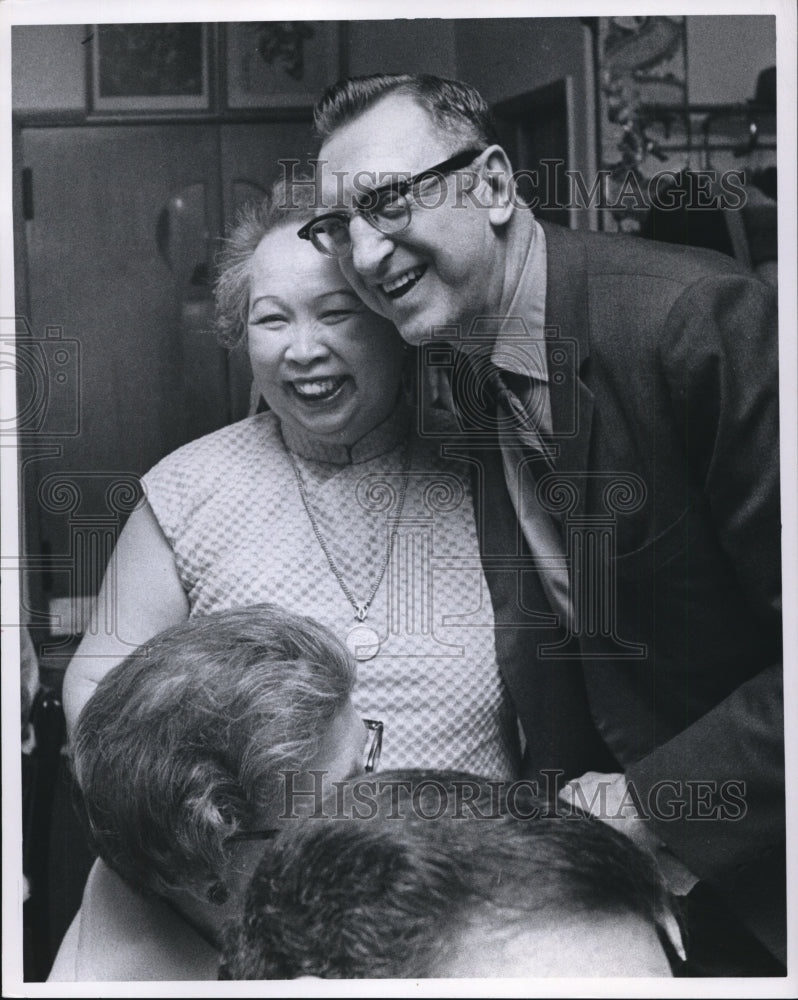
x=387 y=208
x=371 y=762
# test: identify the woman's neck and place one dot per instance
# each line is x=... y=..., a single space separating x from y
x=207 y=919
x=210 y=919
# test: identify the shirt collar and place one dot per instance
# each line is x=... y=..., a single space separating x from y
x=520 y=341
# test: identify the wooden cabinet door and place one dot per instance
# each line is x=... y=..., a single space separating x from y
x=123 y=227
x=104 y=298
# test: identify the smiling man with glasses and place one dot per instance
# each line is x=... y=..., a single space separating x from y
x=389 y=233
x=387 y=207
x=619 y=401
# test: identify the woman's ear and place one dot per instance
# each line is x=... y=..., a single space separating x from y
x=497 y=172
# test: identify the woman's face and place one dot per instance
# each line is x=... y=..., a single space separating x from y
x=342 y=751
x=341 y=755
x=321 y=360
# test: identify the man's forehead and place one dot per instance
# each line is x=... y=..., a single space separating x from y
x=394 y=136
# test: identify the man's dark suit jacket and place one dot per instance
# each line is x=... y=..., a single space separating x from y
x=672 y=394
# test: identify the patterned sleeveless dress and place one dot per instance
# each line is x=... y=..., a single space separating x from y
x=230 y=506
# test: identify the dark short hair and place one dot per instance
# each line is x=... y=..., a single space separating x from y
x=181 y=745
x=386 y=895
x=289 y=203
x=454 y=106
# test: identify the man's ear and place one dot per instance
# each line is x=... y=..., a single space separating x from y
x=497 y=172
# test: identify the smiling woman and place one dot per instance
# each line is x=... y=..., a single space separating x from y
x=331 y=503
x=321 y=360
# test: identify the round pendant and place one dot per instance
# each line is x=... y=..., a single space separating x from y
x=363 y=642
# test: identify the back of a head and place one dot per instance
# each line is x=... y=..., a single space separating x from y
x=454 y=106
x=393 y=883
x=180 y=746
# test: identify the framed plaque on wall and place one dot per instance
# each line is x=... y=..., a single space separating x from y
x=280 y=63
x=140 y=68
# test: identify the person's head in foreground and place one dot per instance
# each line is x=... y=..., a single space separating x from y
x=178 y=753
x=442 y=874
x=325 y=364
x=433 y=245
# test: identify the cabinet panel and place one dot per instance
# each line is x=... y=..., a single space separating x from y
x=120 y=248
x=95 y=272
x=250 y=154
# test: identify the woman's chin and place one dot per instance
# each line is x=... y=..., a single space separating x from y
x=343 y=418
x=325 y=419
x=331 y=428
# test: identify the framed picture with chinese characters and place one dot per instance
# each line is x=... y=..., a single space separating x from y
x=142 y=68
x=280 y=63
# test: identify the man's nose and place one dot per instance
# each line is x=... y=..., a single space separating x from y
x=370 y=247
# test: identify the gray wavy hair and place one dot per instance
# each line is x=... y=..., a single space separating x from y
x=289 y=203
x=182 y=744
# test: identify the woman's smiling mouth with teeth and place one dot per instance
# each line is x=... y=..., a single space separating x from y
x=318 y=388
x=397 y=287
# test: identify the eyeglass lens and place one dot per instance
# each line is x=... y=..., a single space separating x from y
x=386 y=209
x=331 y=235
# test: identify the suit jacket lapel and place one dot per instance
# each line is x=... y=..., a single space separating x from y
x=567 y=350
x=549 y=694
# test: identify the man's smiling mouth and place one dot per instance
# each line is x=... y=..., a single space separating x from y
x=401 y=285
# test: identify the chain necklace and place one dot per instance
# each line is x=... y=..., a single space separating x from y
x=362 y=640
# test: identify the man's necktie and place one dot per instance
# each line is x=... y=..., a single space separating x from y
x=527 y=459
x=549 y=694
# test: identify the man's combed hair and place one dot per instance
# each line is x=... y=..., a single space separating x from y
x=455 y=107
x=387 y=895
x=290 y=203
x=181 y=745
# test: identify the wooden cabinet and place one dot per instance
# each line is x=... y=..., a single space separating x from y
x=121 y=224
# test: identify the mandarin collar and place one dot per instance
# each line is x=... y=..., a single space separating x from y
x=379 y=441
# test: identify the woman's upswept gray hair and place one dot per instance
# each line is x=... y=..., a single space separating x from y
x=181 y=745
x=290 y=202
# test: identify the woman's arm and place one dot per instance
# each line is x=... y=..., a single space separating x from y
x=142 y=585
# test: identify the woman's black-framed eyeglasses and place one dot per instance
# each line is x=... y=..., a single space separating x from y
x=373 y=745
x=387 y=208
